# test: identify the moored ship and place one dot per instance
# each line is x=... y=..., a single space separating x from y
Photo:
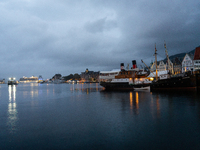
x=31 y=79
x=124 y=79
x=169 y=82
x=186 y=81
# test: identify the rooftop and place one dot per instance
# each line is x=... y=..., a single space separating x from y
x=197 y=54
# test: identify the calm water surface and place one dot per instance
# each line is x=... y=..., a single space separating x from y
x=82 y=116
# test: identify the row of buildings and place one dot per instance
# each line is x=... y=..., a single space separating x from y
x=89 y=76
x=177 y=65
x=188 y=63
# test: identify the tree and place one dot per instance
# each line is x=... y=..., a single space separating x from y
x=77 y=76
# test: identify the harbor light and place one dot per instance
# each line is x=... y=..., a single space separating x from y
x=151 y=79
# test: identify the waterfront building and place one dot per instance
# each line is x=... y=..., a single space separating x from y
x=162 y=66
x=197 y=59
x=2 y=81
x=57 y=78
x=90 y=76
x=177 y=66
x=187 y=63
x=170 y=66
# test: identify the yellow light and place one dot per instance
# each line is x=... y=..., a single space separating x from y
x=131 y=100
x=137 y=100
x=151 y=79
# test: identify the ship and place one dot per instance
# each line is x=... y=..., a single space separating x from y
x=31 y=79
x=185 y=81
x=12 y=81
x=189 y=80
x=124 y=79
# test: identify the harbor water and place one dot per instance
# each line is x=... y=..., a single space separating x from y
x=84 y=116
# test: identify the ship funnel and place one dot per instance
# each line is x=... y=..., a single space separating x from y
x=122 y=66
x=134 y=64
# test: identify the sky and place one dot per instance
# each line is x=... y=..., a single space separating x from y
x=46 y=37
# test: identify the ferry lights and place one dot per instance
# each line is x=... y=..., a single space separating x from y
x=12 y=78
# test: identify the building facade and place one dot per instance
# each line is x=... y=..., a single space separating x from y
x=197 y=59
x=161 y=66
x=187 y=63
x=90 y=76
x=177 y=66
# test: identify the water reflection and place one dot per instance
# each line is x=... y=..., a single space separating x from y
x=12 y=109
x=134 y=102
x=33 y=91
x=137 y=100
x=85 y=87
x=131 y=100
x=158 y=106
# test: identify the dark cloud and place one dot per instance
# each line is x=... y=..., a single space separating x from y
x=101 y=25
x=48 y=37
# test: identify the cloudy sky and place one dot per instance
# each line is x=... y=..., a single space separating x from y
x=45 y=37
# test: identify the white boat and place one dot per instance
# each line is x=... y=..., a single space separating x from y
x=146 y=88
x=12 y=81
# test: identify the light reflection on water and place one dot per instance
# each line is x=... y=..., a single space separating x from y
x=12 y=109
x=62 y=116
x=85 y=87
x=134 y=102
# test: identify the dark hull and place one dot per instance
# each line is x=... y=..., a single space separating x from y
x=198 y=81
x=141 y=85
x=116 y=86
x=176 y=83
x=12 y=83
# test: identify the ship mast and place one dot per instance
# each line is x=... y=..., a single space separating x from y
x=155 y=54
x=147 y=67
x=170 y=67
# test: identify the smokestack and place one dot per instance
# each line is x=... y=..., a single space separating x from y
x=134 y=64
x=122 y=66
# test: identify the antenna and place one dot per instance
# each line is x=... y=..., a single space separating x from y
x=156 y=62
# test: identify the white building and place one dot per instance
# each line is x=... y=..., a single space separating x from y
x=161 y=66
x=187 y=63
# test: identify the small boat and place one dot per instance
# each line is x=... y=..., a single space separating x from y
x=142 y=88
x=12 y=81
x=141 y=84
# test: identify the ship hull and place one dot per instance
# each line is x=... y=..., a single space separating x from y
x=116 y=86
x=175 y=83
x=12 y=83
x=198 y=81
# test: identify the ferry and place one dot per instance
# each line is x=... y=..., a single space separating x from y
x=12 y=81
x=124 y=79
